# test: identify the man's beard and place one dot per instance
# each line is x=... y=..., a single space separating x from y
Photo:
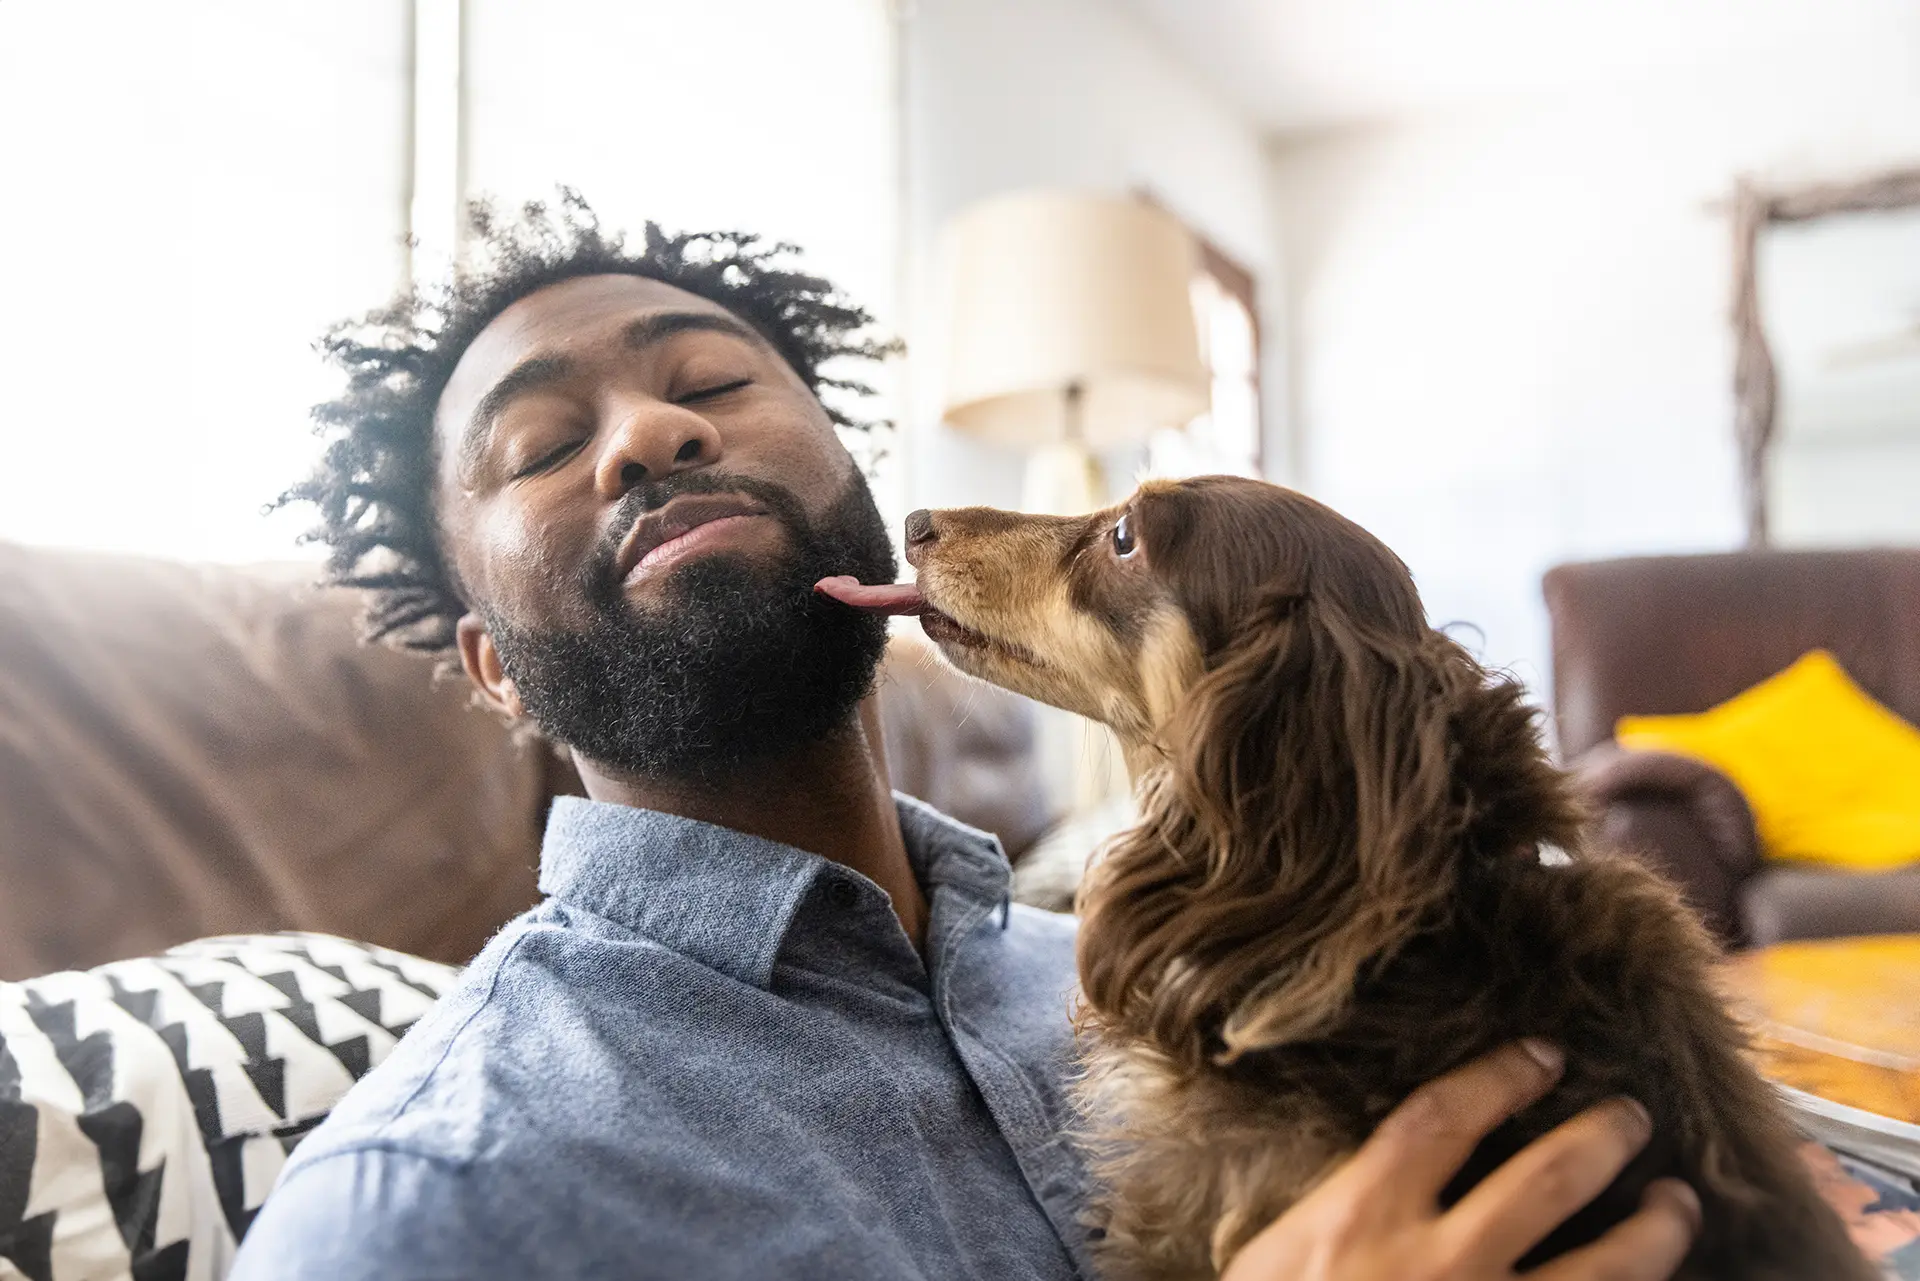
x=737 y=663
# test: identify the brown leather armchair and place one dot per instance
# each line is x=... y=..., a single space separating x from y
x=1681 y=633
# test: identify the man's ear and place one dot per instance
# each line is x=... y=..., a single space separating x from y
x=481 y=662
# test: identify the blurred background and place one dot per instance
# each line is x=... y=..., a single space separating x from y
x=1483 y=249
x=1511 y=282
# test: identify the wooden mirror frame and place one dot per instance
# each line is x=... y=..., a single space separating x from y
x=1756 y=382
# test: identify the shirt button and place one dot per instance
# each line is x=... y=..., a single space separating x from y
x=842 y=893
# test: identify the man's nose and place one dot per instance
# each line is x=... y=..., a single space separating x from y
x=654 y=440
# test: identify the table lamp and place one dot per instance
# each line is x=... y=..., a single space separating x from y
x=1070 y=332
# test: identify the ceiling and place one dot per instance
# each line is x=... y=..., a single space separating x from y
x=1298 y=65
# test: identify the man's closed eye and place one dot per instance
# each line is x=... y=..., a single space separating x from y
x=713 y=392
x=549 y=460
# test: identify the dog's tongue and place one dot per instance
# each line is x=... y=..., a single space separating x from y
x=880 y=598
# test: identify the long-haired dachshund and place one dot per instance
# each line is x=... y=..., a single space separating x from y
x=1336 y=892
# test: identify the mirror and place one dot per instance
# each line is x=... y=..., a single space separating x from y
x=1827 y=376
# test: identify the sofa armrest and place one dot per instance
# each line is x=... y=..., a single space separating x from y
x=1682 y=817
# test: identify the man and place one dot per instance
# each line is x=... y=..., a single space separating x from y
x=771 y=1021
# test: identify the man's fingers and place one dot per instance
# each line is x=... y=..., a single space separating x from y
x=1647 y=1247
x=1425 y=1140
x=1509 y=1211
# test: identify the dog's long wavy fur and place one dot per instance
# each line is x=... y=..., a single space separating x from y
x=1336 y=892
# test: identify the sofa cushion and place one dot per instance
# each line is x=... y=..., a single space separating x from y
x=189 y=750
x=1832 y=776
x=1787 y=902
x=147 y=1106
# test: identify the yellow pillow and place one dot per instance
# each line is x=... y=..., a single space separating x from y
x=1831 y=776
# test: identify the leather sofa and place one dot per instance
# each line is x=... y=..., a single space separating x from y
x=1682 y=633
x=189 y=750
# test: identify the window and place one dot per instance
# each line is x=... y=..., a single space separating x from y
x=193 y=192
x=1226 y=438
x=196 y=190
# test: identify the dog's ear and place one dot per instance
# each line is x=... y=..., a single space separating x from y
x=1324 y=783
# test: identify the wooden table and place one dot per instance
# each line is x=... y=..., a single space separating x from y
x=1838 y=1019
x=1837 y=1025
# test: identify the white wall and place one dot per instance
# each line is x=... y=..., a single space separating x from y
x=1008 y=94
x=1508 y=326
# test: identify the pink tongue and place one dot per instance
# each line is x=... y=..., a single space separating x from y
x=881 y=598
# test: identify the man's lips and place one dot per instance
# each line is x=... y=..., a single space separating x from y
x=679 y=528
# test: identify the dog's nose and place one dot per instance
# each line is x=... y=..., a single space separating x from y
x=920 y=528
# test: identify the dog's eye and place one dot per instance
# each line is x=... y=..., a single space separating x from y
x=1123 y=536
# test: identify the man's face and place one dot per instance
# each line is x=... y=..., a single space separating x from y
x=637 y=494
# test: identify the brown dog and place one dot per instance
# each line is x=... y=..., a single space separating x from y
x=1335 y=893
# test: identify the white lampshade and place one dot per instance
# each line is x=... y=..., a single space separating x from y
x=1048 y=291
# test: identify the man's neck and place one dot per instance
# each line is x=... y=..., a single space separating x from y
x=832 y=799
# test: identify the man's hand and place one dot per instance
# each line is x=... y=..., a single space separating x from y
x=1377 y=1218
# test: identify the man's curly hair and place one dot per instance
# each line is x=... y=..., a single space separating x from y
x=375 y=482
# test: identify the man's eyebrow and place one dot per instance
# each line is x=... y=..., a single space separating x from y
x=528 y=375
x=662 y=325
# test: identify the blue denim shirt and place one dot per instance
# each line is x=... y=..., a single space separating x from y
x=708 y=1055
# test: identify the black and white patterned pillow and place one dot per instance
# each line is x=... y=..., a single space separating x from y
x=147 y=1106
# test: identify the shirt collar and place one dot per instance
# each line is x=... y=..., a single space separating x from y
x=724 y=898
